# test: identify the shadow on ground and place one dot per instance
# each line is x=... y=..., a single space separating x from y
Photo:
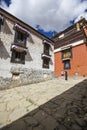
x=67 y=111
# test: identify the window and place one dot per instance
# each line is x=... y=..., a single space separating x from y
x=45 y=63
x=67 y=64
x=1 y=21
x=20 y=38
x=67 y=54
x=46 y=56
x=19 y=48
x=18 y=57
x=46 y=49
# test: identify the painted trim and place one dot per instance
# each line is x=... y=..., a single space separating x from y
x=70 y=45
x=43 y=55
x=25 y=30
x=61 y=36
x=47 y=42
x=66 y=59
x=18 y=47
x=64 y=48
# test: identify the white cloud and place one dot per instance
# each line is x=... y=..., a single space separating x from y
x=49 y=14
x=3 y=4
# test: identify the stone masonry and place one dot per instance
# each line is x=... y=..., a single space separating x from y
x=51 y=105
x=33 y=59
x=22 y=76
x=16 y=74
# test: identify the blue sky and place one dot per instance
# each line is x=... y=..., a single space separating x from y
x=47 y=16
x=7 y=2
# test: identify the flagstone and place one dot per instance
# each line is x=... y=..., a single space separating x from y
x=17 y=102
x=17 y=113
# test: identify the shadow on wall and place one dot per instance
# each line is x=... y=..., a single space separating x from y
x=3 y=52
x=28 y=57
x=67 y=111
x=51 y=62
x=30 y=39
x=6 y=29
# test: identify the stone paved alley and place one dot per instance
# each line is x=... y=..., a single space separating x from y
x=51 y=105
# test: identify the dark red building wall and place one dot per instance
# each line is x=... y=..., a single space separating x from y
x=78 y=61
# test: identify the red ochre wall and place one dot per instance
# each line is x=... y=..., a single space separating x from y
x=78 y=62
x=85 y=30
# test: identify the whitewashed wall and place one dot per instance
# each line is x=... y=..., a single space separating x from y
x=33 y=58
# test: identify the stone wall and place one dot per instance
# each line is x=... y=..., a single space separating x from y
x=33 y=57
x=22 y=76
x=14 y=74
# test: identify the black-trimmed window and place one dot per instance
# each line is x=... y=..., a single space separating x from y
x=18 y=57
x=46 y=49
x=46 y=62
x=1 y=21
x=19 y=48
x=67 y=54
x=46 y=55
x=67 y=64
x=20 y=38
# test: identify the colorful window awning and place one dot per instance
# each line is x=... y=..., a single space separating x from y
x=22 y=28
x=18 y=48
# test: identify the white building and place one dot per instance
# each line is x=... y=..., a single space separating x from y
x=24 y=52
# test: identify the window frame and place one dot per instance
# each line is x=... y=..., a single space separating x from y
x=69 y=64
x=21 y=57
x=69 y=51
x=19 y=41
x=1 y=22
x=46 y=49
x=46 y=63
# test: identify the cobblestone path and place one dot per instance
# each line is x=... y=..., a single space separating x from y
x=51 y=105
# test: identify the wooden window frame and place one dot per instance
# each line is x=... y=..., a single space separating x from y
x=46 y=63
x=67 y=52
x=20 y=38
x=1 y=22
x=46 y=49
x=18 y=55
x=69 y=65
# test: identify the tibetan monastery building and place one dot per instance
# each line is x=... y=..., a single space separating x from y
x=25 y=53
x=70 y=50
